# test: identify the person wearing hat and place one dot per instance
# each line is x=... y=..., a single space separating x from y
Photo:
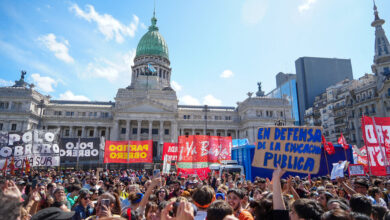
x=52 y=213
x=84 y=206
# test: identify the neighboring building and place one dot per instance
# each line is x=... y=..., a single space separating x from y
x=314 y=75
x=147 y=109
x=369 y=95
x=286 y=87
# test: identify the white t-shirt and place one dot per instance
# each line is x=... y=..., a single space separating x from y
x=201 y=215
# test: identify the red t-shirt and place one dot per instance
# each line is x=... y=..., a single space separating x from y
x=245 y=215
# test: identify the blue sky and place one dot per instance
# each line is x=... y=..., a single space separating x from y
x=219 y=49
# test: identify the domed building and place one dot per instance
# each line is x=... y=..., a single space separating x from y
x=146 y=109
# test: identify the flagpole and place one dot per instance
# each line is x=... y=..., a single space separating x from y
x=326 y=160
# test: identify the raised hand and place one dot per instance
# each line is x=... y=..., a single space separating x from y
x=11 y=190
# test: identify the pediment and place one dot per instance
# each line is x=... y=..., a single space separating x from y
x=144 y=107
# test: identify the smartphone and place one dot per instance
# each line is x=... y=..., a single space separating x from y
x=156 y=173
x=105 y=202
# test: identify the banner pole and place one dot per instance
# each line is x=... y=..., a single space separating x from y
x=345 y=153
x=365 y=143
x=326 y=160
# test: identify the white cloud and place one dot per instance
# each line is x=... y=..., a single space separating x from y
x=107 y=25
x=117 y=68
x=211 y=100
x=68 y=95
x=253 y=11
x=143 y=26
x=306 y=5
x=4 y=82
x=43 y=83
x=189 y=100
x=226 y=74
x=176 y=86
x=60 y=49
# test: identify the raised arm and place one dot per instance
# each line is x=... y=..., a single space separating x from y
x=277 y=198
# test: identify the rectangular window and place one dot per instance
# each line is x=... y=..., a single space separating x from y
x=13 y=127
x=103 y=133
x=91 y=133
x=229 y=134
x=57 y=113
x=218 y=134
x=79 y=132
x=166 y=132
x=228 y=118
x=69 y=113
x=154 y=131
x=135 y=130
x=144 y=130
x=1 y=126
x=123 y=131
x=67 y=132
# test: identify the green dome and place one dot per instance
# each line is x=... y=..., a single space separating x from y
x=152 y=43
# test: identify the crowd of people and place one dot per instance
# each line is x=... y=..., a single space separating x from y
x=136 y=195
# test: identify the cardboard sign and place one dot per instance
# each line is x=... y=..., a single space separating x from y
x=128 y=152
x=296 y=149
x=40 y=147
x=356 y=170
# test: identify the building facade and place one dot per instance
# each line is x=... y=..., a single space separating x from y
x=147 y=109
x=340 y=108
x=286 y=87
x=315 y=74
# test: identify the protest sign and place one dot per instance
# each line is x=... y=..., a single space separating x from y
x=166 y=166
x=296 y=149
x=338 y=170
x=356 y=170
x=376 y=135
x=170 y=150
x=85 y=149
x=197 y=152
x=128 y=152
x=40 y=147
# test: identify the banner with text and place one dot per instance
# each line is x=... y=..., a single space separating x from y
x=85 y=149
x=196 y=152
x=377 y=143
x=170 y=150
x=296 y=149
x=40 y=147
x=128 y=152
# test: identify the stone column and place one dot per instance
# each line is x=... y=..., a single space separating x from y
x=71 y=131
x=115 y=131
x=95 y=132
x=150 y=130
x=225 y=133
x=193 y=131
x=83 y=133
x=139 y=130
x=127 y=137
x=204 y=131
x=215 y=132
x=173 y=131
x=161 y=142
x=107 y=134
x=236 y=133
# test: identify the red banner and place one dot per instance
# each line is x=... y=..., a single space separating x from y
x=197 y=151
x=376 y=140
x=201 y=172
x=170 y=150
x=128 y=152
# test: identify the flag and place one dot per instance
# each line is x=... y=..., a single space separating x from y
x=5 y=166
x=12 y=166
x=22 y=168
x=328 y=146
x=27 y=166
x=343 y=142
x=151 y=68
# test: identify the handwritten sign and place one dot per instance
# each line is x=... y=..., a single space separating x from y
x=296 y=149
